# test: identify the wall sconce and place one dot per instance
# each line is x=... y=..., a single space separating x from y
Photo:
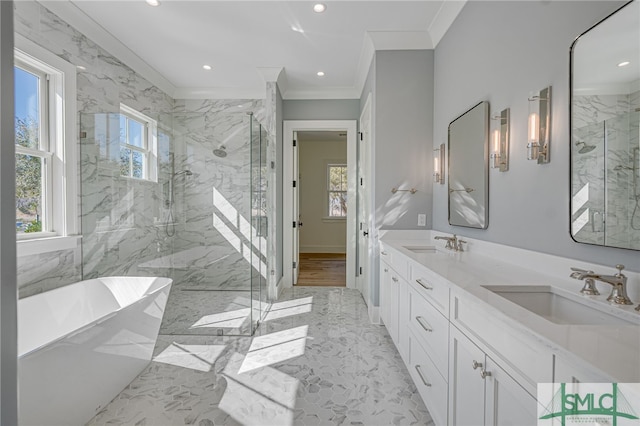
x=438 y=165
x=500 y=142
x=539 y=126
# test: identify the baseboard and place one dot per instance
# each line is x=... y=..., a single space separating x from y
x=323 y=249
x=374 y=314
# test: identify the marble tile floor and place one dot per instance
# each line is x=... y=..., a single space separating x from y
x=315 y=360
x=207 y=312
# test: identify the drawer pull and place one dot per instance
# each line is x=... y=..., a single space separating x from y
x=384 y=253
x=424 y=324
x=394 y=279
x=386 y=269
x=419 y=370
x=426 y=287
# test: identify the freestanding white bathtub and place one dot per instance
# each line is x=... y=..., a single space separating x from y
x=80 y=345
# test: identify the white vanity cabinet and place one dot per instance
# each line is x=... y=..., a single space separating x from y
x=481 y=392
x=394 y=299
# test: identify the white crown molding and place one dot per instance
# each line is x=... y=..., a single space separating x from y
x=270 y=74
x=448 y=12
x=323 y=93
x=220 y=93
x=75 y=17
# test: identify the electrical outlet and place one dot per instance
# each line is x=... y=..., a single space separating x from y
x=422 y=219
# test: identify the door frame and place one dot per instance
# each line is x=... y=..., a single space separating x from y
x=290 y=126
x=365 y=204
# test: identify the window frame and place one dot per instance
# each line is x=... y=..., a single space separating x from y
x=150 y=142
x=329 y=216
x=59 y=122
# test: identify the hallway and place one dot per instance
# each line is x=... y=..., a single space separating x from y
x=323 y=269
x=315 y=360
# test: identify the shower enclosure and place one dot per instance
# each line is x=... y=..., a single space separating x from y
x=181 y=195
x=606 y=181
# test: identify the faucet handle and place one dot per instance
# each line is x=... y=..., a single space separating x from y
x=584 y=271
x=619 y=267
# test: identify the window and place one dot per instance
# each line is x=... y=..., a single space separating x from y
x=46 y=188
x=337 y=189
x=138 y=145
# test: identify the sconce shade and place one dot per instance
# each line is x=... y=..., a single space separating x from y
x=539 y=126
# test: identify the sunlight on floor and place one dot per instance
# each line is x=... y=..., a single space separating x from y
x=262 y=396
x=195 y=357
x=274 y=348
x=230 y=319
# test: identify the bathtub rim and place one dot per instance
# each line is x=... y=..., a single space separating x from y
x=168 y=283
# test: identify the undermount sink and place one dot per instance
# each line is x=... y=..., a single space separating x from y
x=421 y=249
x=546 y=302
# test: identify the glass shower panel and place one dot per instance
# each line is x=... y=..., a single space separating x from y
x=588 y=192
x=259 y=224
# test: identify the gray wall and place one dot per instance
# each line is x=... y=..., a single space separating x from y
x=491 y=53
x=403 y=144
x=321 y=109
x=8 y=315
x=401 y=88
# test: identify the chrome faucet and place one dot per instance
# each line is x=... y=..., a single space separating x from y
x=618 y=282
x=453 y=243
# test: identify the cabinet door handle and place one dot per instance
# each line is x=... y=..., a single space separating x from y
x=394 y=279
x=424 y=324
x=419 y=370
x=476 y=364
x=384 y=253
x=386 y=269
x=484 y=373
x=426 y=287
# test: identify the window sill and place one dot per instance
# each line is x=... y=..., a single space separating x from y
x=29 y=247
x=334 y=219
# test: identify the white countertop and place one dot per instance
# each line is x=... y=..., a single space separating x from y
x=612 y=349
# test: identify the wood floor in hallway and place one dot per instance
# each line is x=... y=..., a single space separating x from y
x=323 y=269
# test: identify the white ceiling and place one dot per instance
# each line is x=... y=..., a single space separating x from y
x=250 y=42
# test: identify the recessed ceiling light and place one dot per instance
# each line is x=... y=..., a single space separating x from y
x=623 y=64
x=319 y=7
x=206 y=67
x=320 y=73
x=153 y=2
x=297 y=29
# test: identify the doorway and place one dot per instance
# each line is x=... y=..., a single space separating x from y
x=291 y=195
x=322 y=194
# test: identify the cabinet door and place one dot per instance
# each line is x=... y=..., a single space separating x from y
x=404 y=312
x=394 y=293
x=507 y=403
x=385 y=279
x=466 y=386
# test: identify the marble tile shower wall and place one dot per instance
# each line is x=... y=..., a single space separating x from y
x=214 y=203
x=118 y=227
x=610 y=118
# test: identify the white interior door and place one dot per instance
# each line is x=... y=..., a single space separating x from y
x=295 y=214
x=363 y=185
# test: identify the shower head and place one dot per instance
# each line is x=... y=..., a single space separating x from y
x=585 y=148
x=220 y=152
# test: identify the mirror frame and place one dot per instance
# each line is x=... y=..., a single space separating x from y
x=571 y=133
x=485 y=161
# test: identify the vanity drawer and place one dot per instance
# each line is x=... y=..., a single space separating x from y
x=431 y=329
x=433 y=287
x=397 y=261
x=433 y=388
